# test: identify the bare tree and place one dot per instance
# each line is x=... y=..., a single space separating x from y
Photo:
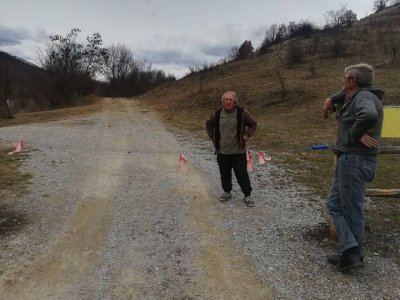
x=340 y=18
x=120 y=63
x=72 y=66
x=269 y=39
x=380 y=5
x=232 y=53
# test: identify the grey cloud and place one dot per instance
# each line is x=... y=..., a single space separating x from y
x=9 y=36
x=41 y=35
x=165 y=57
x=216 y=50
x=16 y=36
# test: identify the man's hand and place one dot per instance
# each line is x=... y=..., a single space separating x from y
x=246 y=137
x=327 y=107
x=368 y=141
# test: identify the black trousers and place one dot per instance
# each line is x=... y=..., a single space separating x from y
x=237 y=162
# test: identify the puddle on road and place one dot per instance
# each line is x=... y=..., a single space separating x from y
x=11 y=221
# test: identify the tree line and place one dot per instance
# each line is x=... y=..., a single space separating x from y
x=78 y=69
x=278 y=33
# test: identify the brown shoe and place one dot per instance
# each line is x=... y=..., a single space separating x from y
x=225 y=197
x=247 y=200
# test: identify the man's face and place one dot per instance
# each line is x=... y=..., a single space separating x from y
x=348 y=83
x=229 y=103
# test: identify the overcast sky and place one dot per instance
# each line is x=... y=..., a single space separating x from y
x=171 y=34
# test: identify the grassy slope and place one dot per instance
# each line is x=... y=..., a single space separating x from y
x=289 y=124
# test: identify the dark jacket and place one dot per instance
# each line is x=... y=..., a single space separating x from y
x=359 y=114
x=246 y=124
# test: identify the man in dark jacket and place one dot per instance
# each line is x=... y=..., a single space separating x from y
x=358 y=137
x=229 y=128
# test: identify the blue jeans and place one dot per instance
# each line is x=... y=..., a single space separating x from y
x=346 y=198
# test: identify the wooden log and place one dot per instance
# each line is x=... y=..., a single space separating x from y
x=389 y=150
x=394 y=193
x=4 y=109
x=332 y=231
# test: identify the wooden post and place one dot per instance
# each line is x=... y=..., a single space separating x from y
x=389 y=150
x=4 y=109
x=394 y=193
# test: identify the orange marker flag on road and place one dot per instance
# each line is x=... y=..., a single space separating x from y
x=249 y=158
x=262 y=158
x=18 y=147
x=182 y=163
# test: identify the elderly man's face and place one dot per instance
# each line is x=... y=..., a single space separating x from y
x=229 y=103
x=349 y=83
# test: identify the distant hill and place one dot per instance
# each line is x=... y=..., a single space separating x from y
x=274 y=78
x=23 y=84
x=18 y=67
x=287 y=95
x=20 y=78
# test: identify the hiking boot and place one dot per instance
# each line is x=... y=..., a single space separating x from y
x=335 y=259
x=225 y=197
x=349 y=263
x=247 y=200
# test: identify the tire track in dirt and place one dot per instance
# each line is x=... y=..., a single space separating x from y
x=225 y=272
x=57 y=272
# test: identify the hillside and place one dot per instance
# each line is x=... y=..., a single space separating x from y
x=304 y=85
x=286 y=99
x=21 y=75
x=23 y=83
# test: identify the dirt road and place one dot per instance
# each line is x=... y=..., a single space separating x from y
x=127 y=223
x=109 y=216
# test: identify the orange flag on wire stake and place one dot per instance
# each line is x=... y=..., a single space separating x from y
x=249 y=158
x=262 y=158
x=18 y=147
x=182 y=163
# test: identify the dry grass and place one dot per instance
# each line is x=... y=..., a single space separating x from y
x=12 y=180
x=92 y=105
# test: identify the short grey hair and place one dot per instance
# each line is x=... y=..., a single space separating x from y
x=362 y=73
x=233 y=94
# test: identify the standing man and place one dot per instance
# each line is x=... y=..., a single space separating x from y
x=230 y=127
x=358 y=138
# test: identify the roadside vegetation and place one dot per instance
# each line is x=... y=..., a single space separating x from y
x=13 y=183
x=12 y=179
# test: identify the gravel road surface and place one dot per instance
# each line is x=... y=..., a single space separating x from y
x=108 y=215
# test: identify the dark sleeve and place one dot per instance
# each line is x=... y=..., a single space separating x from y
x=366 y=116
x=210 y=124
x=338 y=97
x=250 y=122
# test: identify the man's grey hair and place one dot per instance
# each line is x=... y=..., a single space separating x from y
x=233 y=94
x=362 y=73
